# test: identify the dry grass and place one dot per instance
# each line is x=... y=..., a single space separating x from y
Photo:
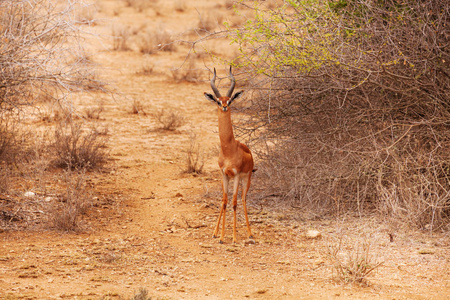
x=147 y=69
x=195 y=156
x=141 y=5
x=72 y=204
x=138 y=108
x=229 y=4
x=120 y=35
x=86 y=14
x=74 y=148
x=156 y=40
x=189 y=73
x=179 y=6
x=209 y=21
x=169 y=120
x=8 y=137
x=141 y=294
x=94 y=112
x=52 y=112
x=352 y=263
x=5 y=175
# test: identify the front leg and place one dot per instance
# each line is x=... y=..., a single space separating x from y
x=223 y=208
x=235 y=194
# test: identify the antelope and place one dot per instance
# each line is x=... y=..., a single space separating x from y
x=235 y=158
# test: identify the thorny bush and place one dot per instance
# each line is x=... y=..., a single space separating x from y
x=350 y=107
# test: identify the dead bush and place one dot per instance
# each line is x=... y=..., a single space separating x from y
x=229 y=4
x=38 y=53
x=186 y=75
x=120 y=35
x=352 y=263
x=141 y=294
x=209 y=21
x=179 y=6
x=147 y=69
x=72 y=204
x=86 y=14
x=94 y=112
x=156 y=40
x=53 y=112
x=195 y=156
x=141 y=5
x=5 y=175
x=77 y=149
x=169 y=119
x=189 y=73
x=138 y=108
x=8 y=137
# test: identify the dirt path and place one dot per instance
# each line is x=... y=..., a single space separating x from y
x=154 y=227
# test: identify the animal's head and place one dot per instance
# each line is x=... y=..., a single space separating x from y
x=224 y=102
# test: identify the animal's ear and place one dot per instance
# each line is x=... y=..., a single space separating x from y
x=235 y=96
x=210 y=97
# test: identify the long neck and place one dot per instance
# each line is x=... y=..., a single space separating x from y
x=227 y=141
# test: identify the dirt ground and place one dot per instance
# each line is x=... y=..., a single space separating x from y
x=154 y=226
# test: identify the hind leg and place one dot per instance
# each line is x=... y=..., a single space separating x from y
x=235 y=194
x=245 y=187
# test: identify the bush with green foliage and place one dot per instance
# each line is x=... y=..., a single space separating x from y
x=352 y=97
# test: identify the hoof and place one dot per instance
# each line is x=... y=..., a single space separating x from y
x=220 y=242
x=251 y=237
x=214 y=236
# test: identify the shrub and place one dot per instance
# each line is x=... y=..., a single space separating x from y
x=352 y=99
x=195 y=157
x=8 y=137
x=75 y=149
x=138 y=108
x=156 y=40
x=141 y=294
x=72 y=203
x=38 y=52
x=189 y=74
x=179 y=6
x=121 y=35
x=94 y=112
x=169 y=120
x=353 y=265
x=141 y=5
x=209 y=21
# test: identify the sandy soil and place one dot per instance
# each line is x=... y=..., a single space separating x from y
x=154 y=226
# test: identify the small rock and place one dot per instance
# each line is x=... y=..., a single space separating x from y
x=249 y=242
x=178 y=195
x=313 y=234
x=262 y=291
x=426 y=251
x=29 y=194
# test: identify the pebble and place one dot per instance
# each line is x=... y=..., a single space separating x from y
x=249 y=242
x=29 y=194
x=313 y=234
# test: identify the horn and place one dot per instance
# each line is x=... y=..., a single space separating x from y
x=213 y=85
x=233 y=83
